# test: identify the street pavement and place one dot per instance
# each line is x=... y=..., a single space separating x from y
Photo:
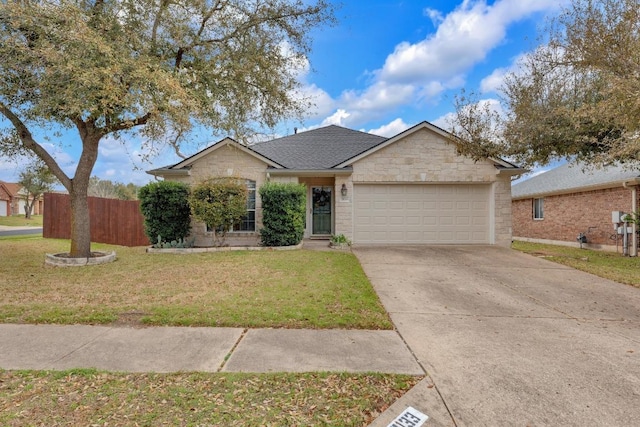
x=17 y=231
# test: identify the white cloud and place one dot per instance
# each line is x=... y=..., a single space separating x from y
x=338 y=118
x=322 y=103
x=494 y=81
x=464 y=38
x=435 y=16
x=391 y=129
x=444 y=122
x=120 y=160
x=378 y=97
x=417 y=73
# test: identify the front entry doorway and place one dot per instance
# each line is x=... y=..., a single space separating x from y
x=321 y=202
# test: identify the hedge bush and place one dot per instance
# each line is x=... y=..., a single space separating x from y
x=220 y=203
x=283 y=213
x=166 y=211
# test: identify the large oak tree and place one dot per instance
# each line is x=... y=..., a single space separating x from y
x=156 y=68
x=576 y=96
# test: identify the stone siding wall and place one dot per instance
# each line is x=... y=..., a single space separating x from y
x=228 y=161
x=426 y=157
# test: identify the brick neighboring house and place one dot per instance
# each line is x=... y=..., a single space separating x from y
x=559 y=205
x=13 y=199
x=412 y=188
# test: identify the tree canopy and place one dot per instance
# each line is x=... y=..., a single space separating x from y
x=156 y=68
x=575 y=96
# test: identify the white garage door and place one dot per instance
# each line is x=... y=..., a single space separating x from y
x=432 y=214
x=3 y=208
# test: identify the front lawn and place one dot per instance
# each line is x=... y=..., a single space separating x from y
x=290 y=289
x=20 y=220
x=87 y=397
x=609 y=265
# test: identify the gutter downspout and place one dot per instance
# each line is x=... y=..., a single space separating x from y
x=634 y=209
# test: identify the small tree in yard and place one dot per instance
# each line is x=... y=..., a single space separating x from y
x=220 y=203
x=36 y=179
x=166 y=212
x=283 y=212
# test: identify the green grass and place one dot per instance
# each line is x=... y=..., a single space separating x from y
x=283 y=289
x=609 y=265
x=88 y=397
x=20 y=220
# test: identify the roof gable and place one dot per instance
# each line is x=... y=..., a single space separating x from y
x=224 y=142
x=572 y=177
x=12 y=188
x=182 y=167
x=420 y=126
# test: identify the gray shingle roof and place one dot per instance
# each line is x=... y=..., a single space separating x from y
x=572 y=176
x=317 y=149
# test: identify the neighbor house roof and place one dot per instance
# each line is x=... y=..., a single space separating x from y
x=571 y=178
x=12 y=188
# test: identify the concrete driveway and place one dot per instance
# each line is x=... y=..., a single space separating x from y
x=509 y=339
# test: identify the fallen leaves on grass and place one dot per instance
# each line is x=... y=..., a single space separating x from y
x=87 y=397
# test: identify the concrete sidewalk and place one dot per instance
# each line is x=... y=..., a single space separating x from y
x=174 y=349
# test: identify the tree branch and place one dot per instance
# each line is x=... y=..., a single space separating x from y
x=128 y=124
x=27 y=140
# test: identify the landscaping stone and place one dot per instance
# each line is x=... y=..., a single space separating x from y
x=64 y=260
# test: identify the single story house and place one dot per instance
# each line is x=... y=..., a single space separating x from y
x=412 y=188
x=13 y=198
x=572 y=201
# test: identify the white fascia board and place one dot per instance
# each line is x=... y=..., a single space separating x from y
x=223 y=143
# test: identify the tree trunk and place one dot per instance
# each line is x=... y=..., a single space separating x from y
x=80 y=225
x=78 y=192
x=27 y=208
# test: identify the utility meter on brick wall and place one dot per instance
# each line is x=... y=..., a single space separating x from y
x=617 y=217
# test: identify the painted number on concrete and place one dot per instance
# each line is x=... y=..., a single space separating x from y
x=411 y=417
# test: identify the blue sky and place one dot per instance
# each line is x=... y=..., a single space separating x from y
x=386 y=65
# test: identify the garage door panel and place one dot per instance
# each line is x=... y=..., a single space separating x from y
x=438 y=213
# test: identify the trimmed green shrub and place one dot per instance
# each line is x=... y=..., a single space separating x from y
x=283 y=212
x=165 y=207
x=220 y=203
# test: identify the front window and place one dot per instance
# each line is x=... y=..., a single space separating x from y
x=248 y=222
x=538 y=208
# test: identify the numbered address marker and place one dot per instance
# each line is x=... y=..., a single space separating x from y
x=410 y=417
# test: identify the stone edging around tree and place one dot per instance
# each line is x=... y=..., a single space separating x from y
x=64 y=260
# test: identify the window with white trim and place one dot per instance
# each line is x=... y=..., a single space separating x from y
x=248 y=222
x=538 y=208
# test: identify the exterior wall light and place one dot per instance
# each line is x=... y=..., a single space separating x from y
x=343 y=190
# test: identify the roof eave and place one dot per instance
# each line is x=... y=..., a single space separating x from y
x=631 y=182
x=310 y=172
x=169 y=172
x=512 y=171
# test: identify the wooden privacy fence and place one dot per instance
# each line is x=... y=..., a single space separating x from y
x=117 y=222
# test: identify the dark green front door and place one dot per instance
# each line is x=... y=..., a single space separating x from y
x=321 y=210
